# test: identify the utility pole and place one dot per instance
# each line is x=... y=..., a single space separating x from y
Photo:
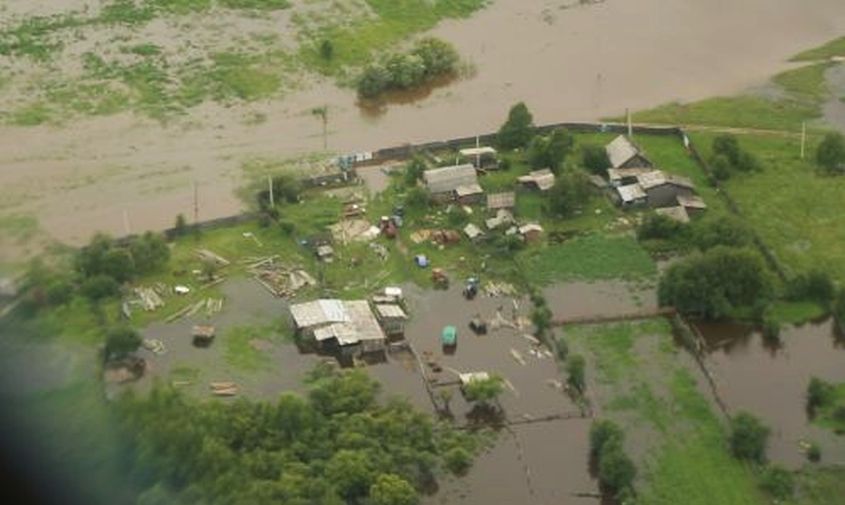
x=270 y=185
x=196 y=206
x=803 y=137
x=630 y=126
x=477 y=153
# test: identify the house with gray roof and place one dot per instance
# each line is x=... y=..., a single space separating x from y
x=454 y=183
x=622 y=153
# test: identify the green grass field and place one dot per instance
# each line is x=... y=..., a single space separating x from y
x=640 y=383
x=796 y=96
x=591 y=257
x=796 y=210
x=239 y=351
x=835 y=47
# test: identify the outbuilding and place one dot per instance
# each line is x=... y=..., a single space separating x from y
x=392 y=318
x=541 y=180
x=663 y=190
x=482 y=158
x=496 y=201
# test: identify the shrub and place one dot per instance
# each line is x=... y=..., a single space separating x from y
x=814 y=453
x=748 y=438
x=720 y=167
x=428 y=59
x=830 y=154
x=722 y=230
x=814 y=285
x=594 y=158
x=600 y=432
x=58 y=292
x=659 y=227
x=438 y=57
x=458 y=460
x=326 y=49
x=771 y=330
x=390 y=489
x=484 y=391
x=575 y=368
x=374 y=81
x=616 y=470
x=778 y=482
x=149 y=252
x=414 y=171
x=121 y=341
x=180 y=226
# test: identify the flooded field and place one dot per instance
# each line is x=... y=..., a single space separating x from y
x=567 y=61
x=772 y=383
x=542 y=462
x=278 y=365
x=599 y=298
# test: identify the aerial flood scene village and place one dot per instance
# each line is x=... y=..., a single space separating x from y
x=402 y=252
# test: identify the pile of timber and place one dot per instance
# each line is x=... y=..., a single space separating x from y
x=278 y=279
x=224 y=388
x=150 y=298
x=210 y=305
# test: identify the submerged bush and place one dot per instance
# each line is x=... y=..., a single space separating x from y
x=429 y=59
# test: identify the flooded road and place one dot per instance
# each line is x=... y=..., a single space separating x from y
x=772 y=383
x=566 y=62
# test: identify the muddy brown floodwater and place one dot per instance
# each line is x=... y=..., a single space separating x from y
x=575 y=63
x=772 y=383
x=533 y=463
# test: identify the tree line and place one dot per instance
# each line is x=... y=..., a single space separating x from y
x=335 y=445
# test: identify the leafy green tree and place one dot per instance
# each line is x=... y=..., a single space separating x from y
x=820 y=394
x=729 y=156
x=350 y=393
x=715 y=283
x=414 y=171
x=149 y=252
x=374 y=80
x=748 y=438
x=814 y=452
x=778 y=482
x=484 y=391
x=594 y=158
x=406 y=70
x=99 y=286
x=518 y=129
x=575 y=369
x=550 y=151
x=570 y=192
x=438 y=56
x=180 y=226
x=830 y=154
x=390 y=489
x=121 y=341
x=352 y=471
x=102 y=257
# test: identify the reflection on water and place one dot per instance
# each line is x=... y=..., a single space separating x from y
x=771 y=383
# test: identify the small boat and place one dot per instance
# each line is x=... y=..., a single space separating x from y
x=449 y=336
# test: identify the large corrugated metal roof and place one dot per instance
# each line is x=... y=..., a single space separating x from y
x=442 y=180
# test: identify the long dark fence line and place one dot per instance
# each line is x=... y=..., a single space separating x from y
x=210 y=224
